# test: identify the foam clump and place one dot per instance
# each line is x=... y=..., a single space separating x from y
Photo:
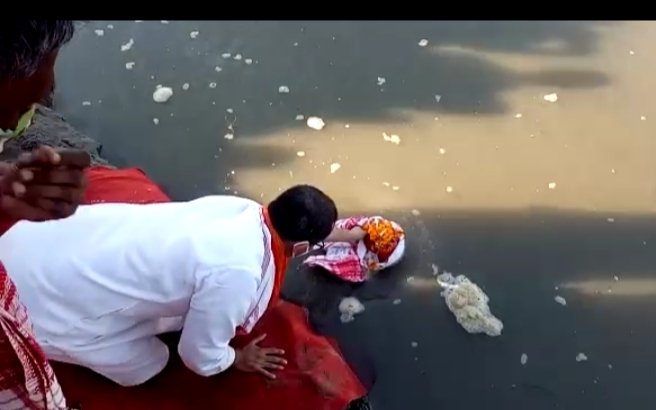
x=349 y=307
x=162 y=94
x=469 y=304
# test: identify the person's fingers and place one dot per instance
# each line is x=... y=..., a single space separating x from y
x=20 y=210
x=64 y=210
x=265 y=372
x=6 y=168
x=47 y=205
x=56 y=176
x=47 y=156
x=270 y=364
x=56 y=209
x=257 y=339
x=8 y=175
x=53 y=192
x=18 y=189
x=25 y=175
x=271 y=351
x=274 y=359
x=75 y=158
x=43 y=155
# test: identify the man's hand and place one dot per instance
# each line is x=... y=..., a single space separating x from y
x=253 y=358
x=346 y=235
x=44 y=184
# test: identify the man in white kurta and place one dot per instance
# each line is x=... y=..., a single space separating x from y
x=98 y=284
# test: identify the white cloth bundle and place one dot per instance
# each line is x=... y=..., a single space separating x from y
x=353 y=261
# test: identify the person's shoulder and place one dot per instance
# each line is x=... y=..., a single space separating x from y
x=242 y=235
x=225 y=200
x=230 y=233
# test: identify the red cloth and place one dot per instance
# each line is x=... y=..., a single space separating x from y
x=129 y=185
x=24 y=370
x=316 y=378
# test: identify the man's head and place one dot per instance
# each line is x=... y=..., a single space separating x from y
x=303 y=216
x=28 y=50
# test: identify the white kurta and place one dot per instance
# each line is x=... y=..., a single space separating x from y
x=97 y=284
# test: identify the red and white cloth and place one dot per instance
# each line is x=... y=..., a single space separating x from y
x=352 y=262
x=27 y=382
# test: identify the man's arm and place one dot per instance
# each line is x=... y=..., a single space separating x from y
x=346 y=235
x=219 y=305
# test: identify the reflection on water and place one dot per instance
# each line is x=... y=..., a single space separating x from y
x=615 y=287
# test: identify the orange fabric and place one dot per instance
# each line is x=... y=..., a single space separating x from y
x=280 y=259
x=316 y=377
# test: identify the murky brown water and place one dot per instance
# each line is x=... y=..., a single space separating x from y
x=592 y=142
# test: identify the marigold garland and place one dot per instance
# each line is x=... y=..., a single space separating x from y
x=382 y=236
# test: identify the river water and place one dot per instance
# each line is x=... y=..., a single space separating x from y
x=529 y=197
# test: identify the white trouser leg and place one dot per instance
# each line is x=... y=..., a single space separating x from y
x=128 y=364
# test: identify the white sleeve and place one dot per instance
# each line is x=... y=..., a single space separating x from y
x=219 y=305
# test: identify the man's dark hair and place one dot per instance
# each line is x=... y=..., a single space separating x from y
x=24 y=44
x=303 y=213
